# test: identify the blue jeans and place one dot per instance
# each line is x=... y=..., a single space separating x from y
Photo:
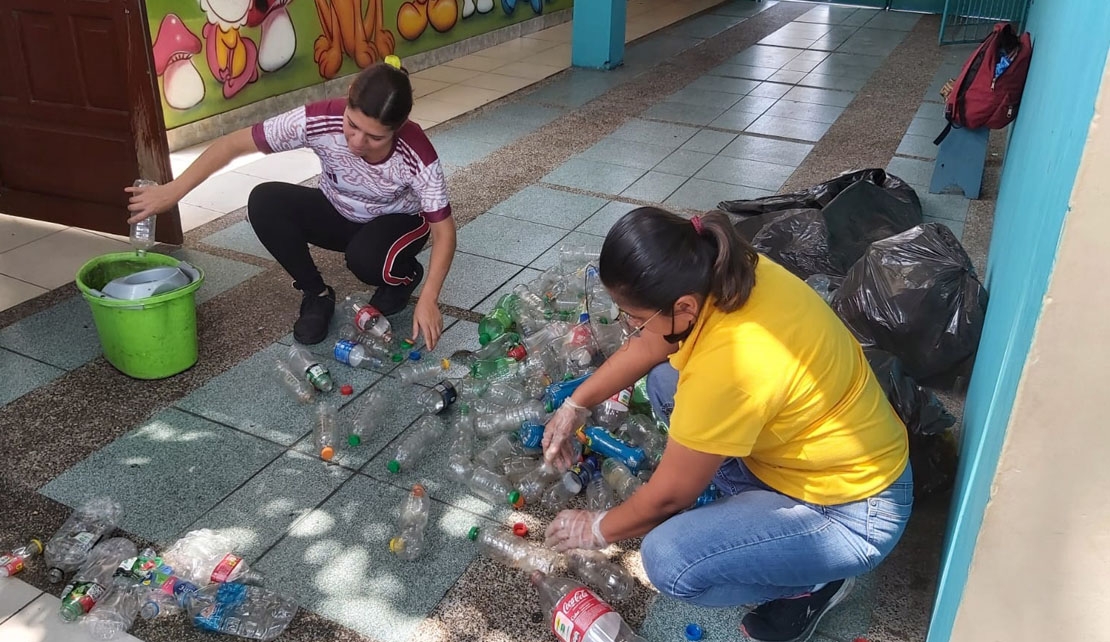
x=756 y=544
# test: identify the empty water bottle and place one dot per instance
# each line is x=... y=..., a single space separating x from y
x=375 y=346
x=505 y=393
x=515 y=552
x=325 y=430
x=572 y=258
x=534 y=483
x=70 y=546
x=438 y=398
x=93 y=580
x=423 y=371
x=493 y=488
x=620 y=479
x=545 y=336
x=556 y=497
x=460 y=452
x=357 y=311
x=370 y=416
x=142 y=232
x=612 y=412
x=248 y=612
x=166 y=593
x=408 y=542
x=577 y=614
x=519 y=466
x=613 y=582
x=300 y=389
x=113 y=614
x=509 y=419
x=356 y=355
x=498 y=347
x=413 y=446
x=581 y=473
x=308 y=365
x=13 y=561
x=204 y=557
x=599 y=496
x=506 y=445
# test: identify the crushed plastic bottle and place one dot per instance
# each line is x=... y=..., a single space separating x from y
x=357 y=311
x=325 y=430
x=113 y=614
x=599 y=496
x=356 y=355
x=493 y=488
x=205 y=557
x=515 y=552
x=297 y=387
x=249 y=612
x=578 y=477
x=613 y=582
x=166 y=594
x=135 y=570
x=533 y=484
x=374 y=405
x=643 y=434
x=605 y=443
x=408 y=543
x=509 y=419
x=577 y=614
x=423 y=371
x=308 y=366
x=415 y=444
x=620 y=479
x=556 y=497
x=93 y=580
x=438 y=398
x=70 y=546
x=14 y=560
x=142 y=232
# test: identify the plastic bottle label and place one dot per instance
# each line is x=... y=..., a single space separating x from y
x=447 y=393
x=317 y=374
x=365 y=316
x=85 y=540
x=622 y=399
x=576 y=613
x=85 y=594
x=225 y=568
x=531 y=435
x=342 y=351
x=11 y=564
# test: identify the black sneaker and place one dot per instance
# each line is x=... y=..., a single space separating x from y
x=794 y=619
x=391 y=299
x=316 y=312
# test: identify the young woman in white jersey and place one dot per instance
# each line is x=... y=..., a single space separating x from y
x=381 y=195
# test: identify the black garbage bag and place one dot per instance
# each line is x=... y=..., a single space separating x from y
x=797 y=240
x=865 y=212
x=821 y=194
x=915 y=295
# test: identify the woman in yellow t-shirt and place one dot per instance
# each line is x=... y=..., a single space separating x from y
x=768 y=396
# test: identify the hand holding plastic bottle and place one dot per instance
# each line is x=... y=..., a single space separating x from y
x=559 y=430
x=573 y=529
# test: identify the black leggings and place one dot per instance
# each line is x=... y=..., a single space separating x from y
x=287 y=218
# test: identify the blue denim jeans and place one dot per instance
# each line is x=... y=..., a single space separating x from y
x=756 y=544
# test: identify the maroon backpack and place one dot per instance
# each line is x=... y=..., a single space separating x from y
x=986 y=93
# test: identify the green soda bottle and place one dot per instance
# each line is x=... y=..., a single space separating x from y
x=497 y=368
x=494 y=324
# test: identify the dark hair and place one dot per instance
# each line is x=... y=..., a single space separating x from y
x=384 y=93
x=653 y=257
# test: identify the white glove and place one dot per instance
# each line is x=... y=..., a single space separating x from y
x=576 y=529
x=557 y=449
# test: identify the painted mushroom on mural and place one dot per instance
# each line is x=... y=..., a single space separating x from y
x=278 y=41
x=174 y=48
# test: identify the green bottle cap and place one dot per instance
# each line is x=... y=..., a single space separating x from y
x=473 y=533
x=394 y=466
x=398 y=358
x=484 y=338
x=515 y=499
x=354 y=440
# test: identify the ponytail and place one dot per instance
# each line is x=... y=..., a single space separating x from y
x=652 y=258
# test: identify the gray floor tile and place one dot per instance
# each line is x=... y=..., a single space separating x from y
x=645 y=131
x=577 y=238
x=896 y=20
x=788 y=128
x=239 y=237
x=273 y=413
x=684 y=163
x=166 y=472
x=753 y=105
x=805 y=111
x=472 y=278
x=336 y=561
x=750 y=173
x=22 y=375
x=820 y=96
x=800 y=64
x=502 y=125
x=925 y=127
x=841 y=68
x=571 y=90
x=920 y=146
x=950 y=207
x=627 y=153
x=708 y=141
x=867 y=46
x=822 y=81
x=455 y=149
x=62 y=335
x=599 y=224
x=257 y=514
x=777 y=40
x=507 y=239
x=593 y=176
x=735 y=120
x=911 y=170
x=787 y=77
x=768 y=150
x=828 y=14
x=549 y=206
x=860 y=17
x=720 y=84
x=654 y=187
x=764 y=56
x=680 y=113
x=401 y=322
x=701 y=195
x=814 y=56
x=667 y=617
x=852 y=617
x=827 y=44
x=931 y=111
x=743 y=72
x=525 y=276
x=770 y=90
x=220 y=274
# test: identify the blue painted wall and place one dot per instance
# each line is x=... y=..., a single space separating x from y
x=1046 y=145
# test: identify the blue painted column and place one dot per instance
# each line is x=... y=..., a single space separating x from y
x=598 y=35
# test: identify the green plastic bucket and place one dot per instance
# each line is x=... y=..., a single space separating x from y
x=151 y=338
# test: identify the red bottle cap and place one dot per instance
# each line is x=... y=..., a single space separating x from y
x=518 y=353
x=346 y=389
x=520 y=529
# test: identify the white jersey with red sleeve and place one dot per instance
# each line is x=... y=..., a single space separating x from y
x=409 y=181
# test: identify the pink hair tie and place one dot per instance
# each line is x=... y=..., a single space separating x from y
x=696 y=222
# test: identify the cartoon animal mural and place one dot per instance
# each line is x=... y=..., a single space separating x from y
x=278 y=41
x=346 y=31
x=413 y=17
x=232 y=58
x=481 y=6
x=174 y=48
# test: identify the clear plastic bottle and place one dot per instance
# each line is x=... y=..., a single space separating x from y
x=325 y=430
x=470 y=389
x=357 y=312
x=527 y=302
x=13 y=561
x=620 y=479
x=577 y=614
x=93 y=580
x=374 y=405
x=505 y=393
x=612 y=412
x=249 y=612
x=114 y=614
x=578 y=477
x=508 y=419
x=375 y=346
x=495 y=369
x=505 y=446
x=70 y=546
x=572 y=258
x=142 y=232
x=643 y=433
x=493 y=488
x=408 y=543
x=423 y=371
x=518 y=466
x=309 y=367
x=166 y=593
x=515 y=552
x=413 y=446
x=498 y=347
x=300 y=389
x=204 y=557
x=438 y=398
x=356 y=355
x=550 y=333
x=460 y=451
x=533 y=484
x=613 y=582
x=599 y=496
x=556 y=497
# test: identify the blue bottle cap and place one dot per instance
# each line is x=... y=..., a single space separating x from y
x=414 y=355
x=693 y=632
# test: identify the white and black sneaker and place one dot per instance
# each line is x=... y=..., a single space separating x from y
x=794 y=619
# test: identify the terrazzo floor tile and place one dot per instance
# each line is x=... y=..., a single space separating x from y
x=654 y=187
x=950 y=207
x=472 y=278
x=525 y=276
x=550 y=258
x=62 y=335
x=705 y=26
x=239 y=237
x=166 y=472
x=599 y=223
x=665 y=134
x=820 y=96
x=896 y=20
x=507 y=123
x=708 y=141
x=768 y=150
x=554 y=207
x=685 y=163
x=801 y=64
x=667 y=618
x=718 y=84
x=593 y=176
x=220 y=274
x=273 y=413
x=705 y=97
x=31 y=375
x=851 y=618
x=789 y=128
x=916 y=172
x=14 y=595
x=919 y=146
x=702 y=195
x=507 y=239
x=257 y=514
x=680 y=113
x=750 y=173
x=336 y=561
x=740 y=72
x=626 y=153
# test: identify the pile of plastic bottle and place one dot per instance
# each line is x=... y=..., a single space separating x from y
x=112 y=582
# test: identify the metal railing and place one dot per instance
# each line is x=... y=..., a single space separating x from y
x=971 y=20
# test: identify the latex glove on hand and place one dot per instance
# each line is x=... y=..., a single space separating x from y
x=576 y=529
x=559 y=431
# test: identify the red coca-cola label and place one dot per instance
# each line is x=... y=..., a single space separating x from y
x=576 y=613
x=226 y=567
x=11 y=563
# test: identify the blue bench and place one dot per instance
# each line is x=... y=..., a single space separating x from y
x=960 y=160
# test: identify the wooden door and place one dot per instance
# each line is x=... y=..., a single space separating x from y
x=80 y=116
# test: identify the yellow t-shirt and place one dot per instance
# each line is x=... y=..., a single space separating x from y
x=782 y=384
